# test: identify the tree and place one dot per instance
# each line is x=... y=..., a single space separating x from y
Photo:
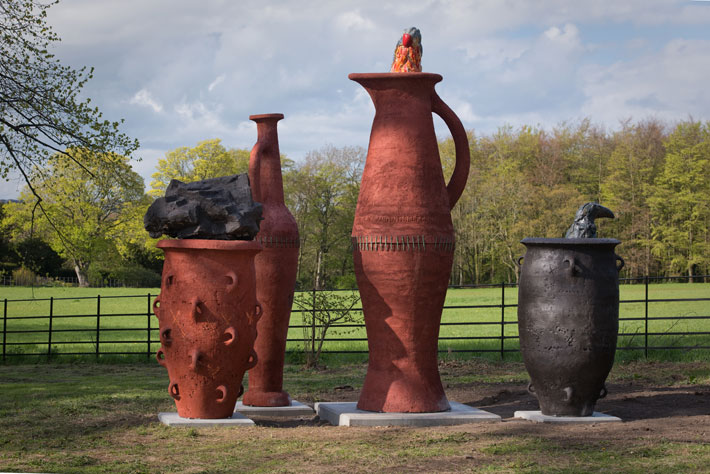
x=133 y=244
x=38 y=256
x=42 y=116
x=322 y=195
x=634 y=164
x=585 y=150
x=209 y=159
x=468 y=245
x=82 y=207
x=680 y=203
x=8 y=256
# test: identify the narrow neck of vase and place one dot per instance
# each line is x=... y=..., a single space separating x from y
x=267 y=166
x=266 y=132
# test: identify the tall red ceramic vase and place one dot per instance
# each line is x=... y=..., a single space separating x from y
x=403 y=240
x=276 y=267
x=207 y=312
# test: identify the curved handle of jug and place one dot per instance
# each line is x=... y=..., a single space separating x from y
x=457 y=183
x=254 y=168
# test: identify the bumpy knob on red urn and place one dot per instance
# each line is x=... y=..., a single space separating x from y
x=195 y=359
x=229 y=336
x=166 y=336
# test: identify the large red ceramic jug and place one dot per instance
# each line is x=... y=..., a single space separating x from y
x=276 y=267
x=403 y=240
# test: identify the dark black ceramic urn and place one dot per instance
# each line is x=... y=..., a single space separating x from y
x=568 y=319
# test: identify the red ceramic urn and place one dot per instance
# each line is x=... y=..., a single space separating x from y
x=403 y=240
x=276 y=267
x=207 y=312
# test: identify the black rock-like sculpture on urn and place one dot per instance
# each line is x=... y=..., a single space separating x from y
x=215 y=209
x=568 y=315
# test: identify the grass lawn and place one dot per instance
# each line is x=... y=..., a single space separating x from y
x=124 y=318
x=91 y=418
x=124 y=315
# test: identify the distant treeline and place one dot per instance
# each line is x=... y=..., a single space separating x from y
x=525 y=182
x=529 y=182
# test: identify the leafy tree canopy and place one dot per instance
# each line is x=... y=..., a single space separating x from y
x=42 y=112
x=322 y=195
x=209 y=159
x=84 y=209
x=680 y=203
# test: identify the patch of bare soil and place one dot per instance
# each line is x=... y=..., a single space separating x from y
x=654 y=400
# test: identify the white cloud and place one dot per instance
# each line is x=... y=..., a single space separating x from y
x=196 y=117
x=492 y=53
x=463 y=110
x=353 y=20
x=145 y=99
x=567 y=37
x=218 y=80
x=670 y=84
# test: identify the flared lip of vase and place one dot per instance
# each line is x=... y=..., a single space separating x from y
x=394 y=76
x=563 y=242
x=207 y=244
x=263 y=117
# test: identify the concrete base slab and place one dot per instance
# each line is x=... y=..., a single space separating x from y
x=296 y=409
x=173 y=419
x=537 y=416
x=347 y=414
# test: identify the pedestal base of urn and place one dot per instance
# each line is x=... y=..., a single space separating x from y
x=266 y=399
x=347 y=414
x=295 y=409
x=538 y=417
x=173 y=419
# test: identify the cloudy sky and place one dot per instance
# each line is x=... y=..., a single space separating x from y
x=181 y=71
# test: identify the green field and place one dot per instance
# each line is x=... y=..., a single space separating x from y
x=124 y=315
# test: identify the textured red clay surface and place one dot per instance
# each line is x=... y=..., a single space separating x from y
x=207 y=312
x=276 y=266
x=401 y=223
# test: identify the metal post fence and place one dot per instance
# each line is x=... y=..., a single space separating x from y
x=645 y=319
x=98 y=324
x=4 y=329
x=502 y=321
x=148 y=314
x=42 y=325
x=49 y=337
x=313 y=324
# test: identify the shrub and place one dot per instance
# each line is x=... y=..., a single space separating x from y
x=128 y=275
x=136 y=276
x=24 y=277
x=346 y=282
x=323 y=312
